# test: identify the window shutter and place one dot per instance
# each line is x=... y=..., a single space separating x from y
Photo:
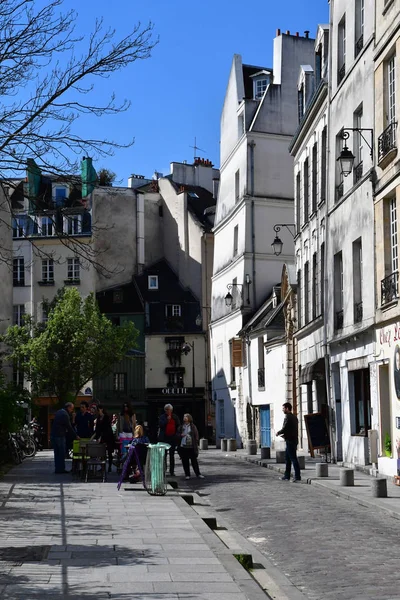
x=237 y=353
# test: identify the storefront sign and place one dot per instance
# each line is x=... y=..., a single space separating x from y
x=174 y=391
x=389 y=335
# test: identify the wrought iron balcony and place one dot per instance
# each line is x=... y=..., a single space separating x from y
x=358 y=172
x=261 y=379
x=339 y=319
x=359 y=45
x=389 y=288
x=387 y=141
x=341 y=73
x=358 y=312
x=339 y=191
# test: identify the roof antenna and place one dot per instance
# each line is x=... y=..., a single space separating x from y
x=195 y=147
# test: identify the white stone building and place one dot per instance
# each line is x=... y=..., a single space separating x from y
x=258 y=120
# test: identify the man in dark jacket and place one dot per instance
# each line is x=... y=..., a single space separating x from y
x=59 y=430
x=290 y=433
x=84 y=421
x=169 y=430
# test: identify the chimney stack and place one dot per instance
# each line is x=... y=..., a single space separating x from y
x=278 y=32
x=306 y=33
x=287 y=32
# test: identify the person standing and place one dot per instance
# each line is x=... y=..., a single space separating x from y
x=290 y=433
x=104 y=433
x=189 y=448
x=84 y=421
x=59 y=430
x=127 y=419
x=169 y=430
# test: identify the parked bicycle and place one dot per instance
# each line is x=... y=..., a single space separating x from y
x=14 y=449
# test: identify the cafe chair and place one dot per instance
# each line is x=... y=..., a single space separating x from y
x=95 y=458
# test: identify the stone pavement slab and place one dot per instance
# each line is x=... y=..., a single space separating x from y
x=93 y=542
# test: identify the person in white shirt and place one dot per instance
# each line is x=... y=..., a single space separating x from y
x=189 y=447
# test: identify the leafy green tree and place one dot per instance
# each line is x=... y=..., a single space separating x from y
x=78 y=343
x=13 y=401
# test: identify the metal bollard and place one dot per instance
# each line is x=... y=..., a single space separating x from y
x=265 y=453
x=302 y=462
x=252 y=447
x=347 y=477
x=204 y=444
x=231 y=446
x=280 y=456
x=379 y=488
x=322 y=469
x=224 y=445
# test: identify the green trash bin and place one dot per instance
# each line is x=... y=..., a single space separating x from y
x=155 y=479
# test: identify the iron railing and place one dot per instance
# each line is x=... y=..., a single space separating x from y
x=358 y=172
x=261 y=378
x=359 y=45
x=339 y=319
x=339 y=191
x=341 y=73
x=389 y=288
x=387 y=141
x=358 y=312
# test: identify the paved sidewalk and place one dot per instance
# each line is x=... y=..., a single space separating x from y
x=360 y=493
x=61 y=538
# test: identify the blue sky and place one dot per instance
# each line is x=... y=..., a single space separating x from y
x=177 y=94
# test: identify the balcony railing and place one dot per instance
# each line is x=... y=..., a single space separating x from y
x=339 y=319
x=341 y=73
x=358 y=312
x=359 y=45
x=389 y=288
x=358 y=172
x=261 y=379
x=339 y=191
x=387 y=141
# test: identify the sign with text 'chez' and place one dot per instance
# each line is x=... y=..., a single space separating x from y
x=390 y=335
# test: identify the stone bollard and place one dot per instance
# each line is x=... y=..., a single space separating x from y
x=280 y=456
x=231 y=446
x=379 y=488
x=203 y=444
x=265 y=453
x=347 y=477
x=252 y=447
x=302 y=462
x=322 y=469
x=224 y=445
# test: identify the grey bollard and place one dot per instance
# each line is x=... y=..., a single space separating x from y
x=280 y=456
x=322 y=469
x=302 y=462
x=231 y=447
x=265 y=453
x=379 y=488
x=252 y=447
x=203 y=444
x=347 y=477
x=224 y=445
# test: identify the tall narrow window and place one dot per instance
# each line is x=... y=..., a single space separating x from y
x=306 y=190
x=341 y=50
x=18 y=228
x=240 y=125
x=306 y=293
x=357 y=281
x=338 y=290
x=47 y=226
x=389 y=284
x=318 y=65
x=237 y=186
x=300 y=101
x=235 y=240
x=323 y=165
x=47 y=270
x=73 y=269
x=298 y=202
x=299 y=301
x=120 y=382
x=314 y=177
x=19 y=271
x=261 y=364
x=359 y=29
x=234 y=293
x=314 y=286
x=394 y=252
x=358 y=144
x=18 y=314
x=322 y=279
x=233 y=370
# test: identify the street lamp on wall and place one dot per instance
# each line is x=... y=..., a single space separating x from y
x=277 y=244
x=186 y=348
x=346 y=158
x=232 y=286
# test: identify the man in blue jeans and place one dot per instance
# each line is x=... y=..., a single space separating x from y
x=290 y=433
x=59 y=430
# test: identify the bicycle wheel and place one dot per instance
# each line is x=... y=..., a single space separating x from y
x=15 y=453
x=29 y=448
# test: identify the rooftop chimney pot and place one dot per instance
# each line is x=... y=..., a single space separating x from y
x=278 y=32
x=306 y=33
x=287 y=32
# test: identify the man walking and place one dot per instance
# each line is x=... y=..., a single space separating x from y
x=59 y=430
x=169 y=430
x=290 y=434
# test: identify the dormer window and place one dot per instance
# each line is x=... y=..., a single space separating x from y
x=60 y=195
x=260 y=85
x=153 y=282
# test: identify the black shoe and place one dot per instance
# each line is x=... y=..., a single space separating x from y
x=296 y=480
x=284 y=478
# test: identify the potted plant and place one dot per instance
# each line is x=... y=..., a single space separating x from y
x=388 y=446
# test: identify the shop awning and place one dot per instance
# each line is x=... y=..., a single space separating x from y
x=313 y=370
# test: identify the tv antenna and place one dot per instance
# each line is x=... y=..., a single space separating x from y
x=195 y=148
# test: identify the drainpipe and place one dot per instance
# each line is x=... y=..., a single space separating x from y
x=331 y=408
x=252 y=145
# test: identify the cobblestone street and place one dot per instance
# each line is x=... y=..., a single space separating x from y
x=329 y=548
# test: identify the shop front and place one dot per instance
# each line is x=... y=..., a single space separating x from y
x=388 y=389
x=184 y=400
